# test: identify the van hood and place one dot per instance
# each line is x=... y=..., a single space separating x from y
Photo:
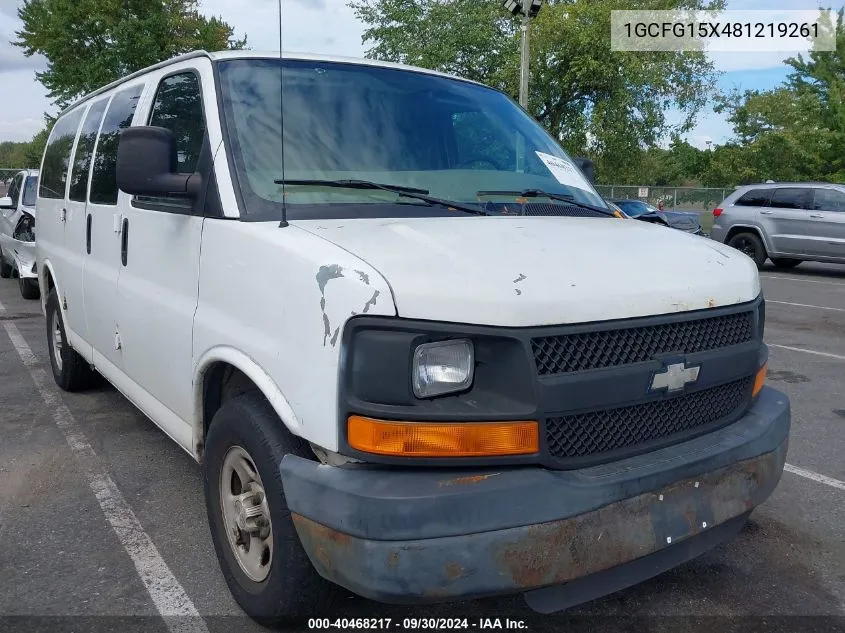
x=532 y=271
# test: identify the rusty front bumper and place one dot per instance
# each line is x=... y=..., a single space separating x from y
x=415 y=537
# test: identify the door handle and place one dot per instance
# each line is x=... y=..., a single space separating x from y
x=124 y=241
x=766 y=212
x=816 y=215
x=88 y=234
x=63 y=216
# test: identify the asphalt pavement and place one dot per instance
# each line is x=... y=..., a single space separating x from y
x=80 y=554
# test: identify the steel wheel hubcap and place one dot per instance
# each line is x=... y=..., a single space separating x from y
x=246 y=515
x=57 y=340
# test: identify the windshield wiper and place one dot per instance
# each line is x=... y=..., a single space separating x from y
x=539 y=193
x=408 y=192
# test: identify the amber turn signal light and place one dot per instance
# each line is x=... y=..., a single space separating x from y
x=443 y=439
x=759 y=380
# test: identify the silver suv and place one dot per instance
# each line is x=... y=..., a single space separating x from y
x=785 y=222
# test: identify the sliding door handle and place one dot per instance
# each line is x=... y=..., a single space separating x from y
x=88 y=234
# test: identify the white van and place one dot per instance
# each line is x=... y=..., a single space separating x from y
x=415 y=352
x=17 y=232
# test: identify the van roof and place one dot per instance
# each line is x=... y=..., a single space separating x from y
x=222 y=55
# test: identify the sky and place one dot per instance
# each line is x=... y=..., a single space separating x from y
x=330 y=27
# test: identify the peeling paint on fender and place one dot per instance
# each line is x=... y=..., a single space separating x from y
x=324 y=276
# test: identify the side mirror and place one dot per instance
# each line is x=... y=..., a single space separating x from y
x=6 y=203
x=147 y=163
x=588 y=167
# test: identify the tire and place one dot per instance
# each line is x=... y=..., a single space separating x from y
x=290 y=588
x=70 y=371
x=5 y=269
x=751 y=245
x=784 y=262
x=29 y=288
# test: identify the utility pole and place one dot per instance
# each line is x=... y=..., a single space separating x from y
x=528 y=9
x=525 y=62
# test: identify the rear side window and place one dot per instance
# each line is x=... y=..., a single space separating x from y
x=754 y=198
x=104 y=174
x=53 y=177
x=792 y=198
x=30 y=191
x=84 y=151
x=829 y=200
x=178 y=107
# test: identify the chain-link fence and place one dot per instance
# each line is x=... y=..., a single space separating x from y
x=6 y=175
x=699 y=199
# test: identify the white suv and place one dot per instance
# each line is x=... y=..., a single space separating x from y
x=413 y=351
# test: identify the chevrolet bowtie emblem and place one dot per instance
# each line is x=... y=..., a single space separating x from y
x=674 y=378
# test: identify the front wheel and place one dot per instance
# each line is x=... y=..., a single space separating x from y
x=264 y=564
x=29 y=288
x=70 y=371
x=751 y=245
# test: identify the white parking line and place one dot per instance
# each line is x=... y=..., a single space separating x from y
x=808 y=351
x=805 y=305
x=806 y=281
x=167 y=594
x=809 y=474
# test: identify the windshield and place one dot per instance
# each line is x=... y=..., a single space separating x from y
x=635 y=208
x=344 y=121
x=30 y=190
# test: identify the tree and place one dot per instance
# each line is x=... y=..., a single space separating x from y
x=793 y=132
x=13 y=155
x=606 y=104
x=35 y=148
x=90 y=43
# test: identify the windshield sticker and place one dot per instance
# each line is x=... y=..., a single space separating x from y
x=565 y=172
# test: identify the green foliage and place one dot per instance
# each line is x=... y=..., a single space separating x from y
x=609 y=105
x=13 y=154
x=90 y=43
x=793 y=132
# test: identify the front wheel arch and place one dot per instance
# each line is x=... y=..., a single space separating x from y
x=213 y=367
x=749 y=240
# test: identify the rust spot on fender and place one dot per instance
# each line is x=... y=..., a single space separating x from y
x=393 y=559
x=464 y=481
x=711 y=302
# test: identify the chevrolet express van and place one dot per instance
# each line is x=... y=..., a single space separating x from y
x=412 y=348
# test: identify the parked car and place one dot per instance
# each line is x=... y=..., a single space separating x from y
x=388 y=389
x=785 y=222
x=17 y=232
x=687 y=221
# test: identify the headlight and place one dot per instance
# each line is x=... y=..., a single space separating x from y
x=442 y=367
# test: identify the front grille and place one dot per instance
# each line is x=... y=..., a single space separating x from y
x=607 y=430
x=591 y=350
